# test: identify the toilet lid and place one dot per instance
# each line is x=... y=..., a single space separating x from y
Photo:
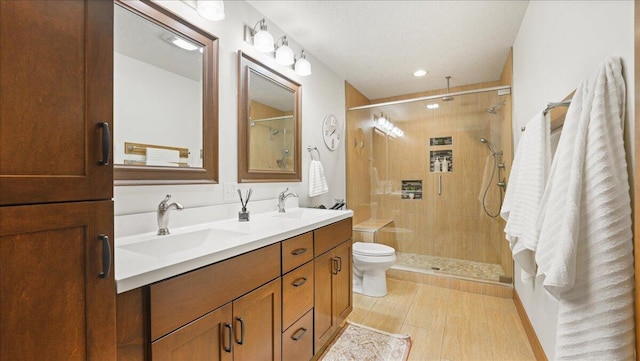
x=372 y=249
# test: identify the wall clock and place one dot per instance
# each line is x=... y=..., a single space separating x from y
x=331 y=132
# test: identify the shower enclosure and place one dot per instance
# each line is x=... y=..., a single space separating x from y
x=427 y=177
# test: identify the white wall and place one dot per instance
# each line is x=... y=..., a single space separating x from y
x=559 y=44
x=322 y=93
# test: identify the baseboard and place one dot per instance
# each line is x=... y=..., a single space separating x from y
x=536 y=346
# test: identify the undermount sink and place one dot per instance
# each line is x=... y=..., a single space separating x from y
x=301 y=214
x=160 y=246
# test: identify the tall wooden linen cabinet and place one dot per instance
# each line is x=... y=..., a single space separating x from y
x=57 y=290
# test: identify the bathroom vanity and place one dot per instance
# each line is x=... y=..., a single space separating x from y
x=278 y=291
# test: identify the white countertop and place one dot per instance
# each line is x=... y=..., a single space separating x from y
x=145 y=258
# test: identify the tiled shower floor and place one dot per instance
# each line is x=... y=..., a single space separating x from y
x=456 y=267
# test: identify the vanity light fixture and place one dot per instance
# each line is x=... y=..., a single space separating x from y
x=210 y=9
x=284 y=54
x=262 y=39
x=383 y=123
x=302 y=67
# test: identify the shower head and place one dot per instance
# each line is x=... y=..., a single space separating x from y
x=493 y=109
x=493 y=151
x=447 y=98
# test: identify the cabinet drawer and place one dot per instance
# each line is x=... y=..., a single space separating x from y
x=330 y=236
x=297 y=294
x=297 y=251
x=182 y=299
x=297 y=341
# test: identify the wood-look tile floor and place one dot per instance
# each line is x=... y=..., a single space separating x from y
x=446 y=325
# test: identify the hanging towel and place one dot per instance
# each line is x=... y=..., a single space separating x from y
x=162 y=157
x=585 y=251
x=317 y=181
x=527 y=181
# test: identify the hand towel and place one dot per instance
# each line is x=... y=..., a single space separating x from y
x=585 y=251
x=162 y=157
x=526 y=186
x=317 y=181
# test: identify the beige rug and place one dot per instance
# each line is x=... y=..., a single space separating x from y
x=361 y=343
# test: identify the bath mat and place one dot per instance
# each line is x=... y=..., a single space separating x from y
x=361 y=343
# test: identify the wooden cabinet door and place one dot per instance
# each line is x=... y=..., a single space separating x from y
x=56 y=88
x=54 y=304
x=343 y=280
x=207 y=338
x=257 y=320
x=324 y=322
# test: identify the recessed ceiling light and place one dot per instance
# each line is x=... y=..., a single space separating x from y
x=433 y=106
x=420 y=72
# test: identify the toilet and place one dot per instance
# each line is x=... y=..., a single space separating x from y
x=370 y=261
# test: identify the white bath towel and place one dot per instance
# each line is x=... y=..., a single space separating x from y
x=317 y=180
x=162 y=157
x=526 y=185
x=585 y=246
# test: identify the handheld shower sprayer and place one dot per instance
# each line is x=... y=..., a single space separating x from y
x=493 y=151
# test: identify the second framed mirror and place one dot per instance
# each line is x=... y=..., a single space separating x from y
x=269 y=124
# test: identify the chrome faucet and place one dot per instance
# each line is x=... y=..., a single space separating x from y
x=163 y=214
x=282 y=198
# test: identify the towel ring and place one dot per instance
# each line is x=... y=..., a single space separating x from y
x=311 y=149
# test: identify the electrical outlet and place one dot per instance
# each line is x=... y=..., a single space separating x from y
x=230 y=191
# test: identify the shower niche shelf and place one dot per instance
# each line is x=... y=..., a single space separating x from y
x=441 y=155
x=441 y=141
x=412 y=189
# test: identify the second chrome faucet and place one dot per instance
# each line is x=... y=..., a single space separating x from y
x=163 y=214
x=283 y=197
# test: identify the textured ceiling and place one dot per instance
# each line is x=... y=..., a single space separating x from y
x=377 y=45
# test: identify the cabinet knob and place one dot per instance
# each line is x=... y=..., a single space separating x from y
x=229 y=329
x=106 y=256
x=240 y=341
x=299 y=282
x=298 y=251
x=106 y=143
x=298 y=334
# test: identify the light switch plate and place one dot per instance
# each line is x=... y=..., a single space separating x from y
x=230 y=191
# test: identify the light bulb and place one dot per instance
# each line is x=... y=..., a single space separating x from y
x=263 y=41
x=285 y=56
x=303 y=67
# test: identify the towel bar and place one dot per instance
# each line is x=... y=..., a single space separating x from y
x=311 y=149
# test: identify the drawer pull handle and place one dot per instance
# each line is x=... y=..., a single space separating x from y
x=227 y=326
x=298 y=251
x=241 y=340
x=339 y=263
x=298 y=335
x=335 y=265
x=106 y=143
x=299 y=282
x=106 y=256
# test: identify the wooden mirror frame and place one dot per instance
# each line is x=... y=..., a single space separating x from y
x=141 y=175
x=246 y=175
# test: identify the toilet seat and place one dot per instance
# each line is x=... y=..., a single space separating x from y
x=372 y=249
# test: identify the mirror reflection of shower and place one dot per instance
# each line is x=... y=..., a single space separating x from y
x=497 y=166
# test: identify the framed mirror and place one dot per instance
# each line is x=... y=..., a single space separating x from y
x=269 y=124
x=165 y=98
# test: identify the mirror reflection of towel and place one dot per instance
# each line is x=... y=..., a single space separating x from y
x=162 y=157
x=317 y=181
